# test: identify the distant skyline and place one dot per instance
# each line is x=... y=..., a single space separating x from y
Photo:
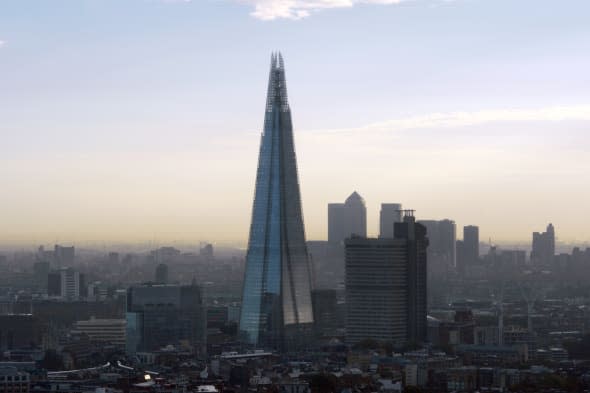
x=138 y=120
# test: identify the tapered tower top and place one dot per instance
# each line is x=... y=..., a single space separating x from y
x=277 y=85
x=276 y=307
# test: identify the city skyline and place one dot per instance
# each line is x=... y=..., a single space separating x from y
x=120 y=133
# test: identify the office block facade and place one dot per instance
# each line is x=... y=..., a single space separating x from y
x=386 y=286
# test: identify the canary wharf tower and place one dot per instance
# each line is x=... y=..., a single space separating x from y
x=276 y=302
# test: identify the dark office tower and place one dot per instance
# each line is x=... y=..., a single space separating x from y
x=64 y=256
x=468 y=249
x=543 y=246
x=325 y=311
x=346 y=219
x=276 y=303
x=416 y=244
x=389 y=215
x=471 y=243
x=54 y=283
x=162 y=273
x=162 y=315
x=386 y=286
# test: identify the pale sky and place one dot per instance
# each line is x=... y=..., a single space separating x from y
x=136 y=120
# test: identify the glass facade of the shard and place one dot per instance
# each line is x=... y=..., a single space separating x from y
x=276 y=302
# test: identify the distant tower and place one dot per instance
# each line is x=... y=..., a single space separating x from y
x=64 y=256
x=543 y=250
x=442 y=249
x=471 y=243
x=276 y=308
x=162 y=273
x=468 y=249
x=346 y=219
x=390 y=214
x=206 y=251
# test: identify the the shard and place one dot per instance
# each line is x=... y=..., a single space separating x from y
x=276 y=308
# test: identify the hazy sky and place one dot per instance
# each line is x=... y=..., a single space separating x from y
x=133 y=120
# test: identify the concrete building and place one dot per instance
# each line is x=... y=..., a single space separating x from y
x=103 y=331
x=14 y=381
x=347 y=219
x=66 y=283
x=161 y=315
x=325 y=311
x=386 y=286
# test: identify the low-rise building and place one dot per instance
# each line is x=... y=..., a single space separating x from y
x=103 y=331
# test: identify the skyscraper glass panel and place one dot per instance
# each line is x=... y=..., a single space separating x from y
x=276 y=302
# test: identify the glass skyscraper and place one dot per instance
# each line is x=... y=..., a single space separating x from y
x=276 y=308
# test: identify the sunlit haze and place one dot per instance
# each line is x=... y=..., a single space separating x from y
x=140 y=120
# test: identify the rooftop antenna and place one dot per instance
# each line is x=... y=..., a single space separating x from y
x=407 y=212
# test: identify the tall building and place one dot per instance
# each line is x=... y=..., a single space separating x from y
x=206 y=252
x=442 y=249
x=471 y=242
x=64 y=256
x=543 y=246
x=347 y=219
x=386 y=286
x=276 y=302
x=468 y=248
x=67 y=283
x=162 y=315
x=325 y=311
x=390 y=214
x=161 y=276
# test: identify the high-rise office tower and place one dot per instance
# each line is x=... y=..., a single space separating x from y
x=543 y=246
x=161 y=315
x=64 y=256
x=442 y=249
x=161 y=276
x=471 y=243
x=276 y=302
x=386 y=286
x=66 y=283
x=390 y=214
x=468 y=248
x=346 y=219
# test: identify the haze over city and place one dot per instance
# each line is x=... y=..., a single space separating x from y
x=126 y=121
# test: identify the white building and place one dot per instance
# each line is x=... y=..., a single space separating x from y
x=106 y=331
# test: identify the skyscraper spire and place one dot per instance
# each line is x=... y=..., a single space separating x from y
x=276 y=302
